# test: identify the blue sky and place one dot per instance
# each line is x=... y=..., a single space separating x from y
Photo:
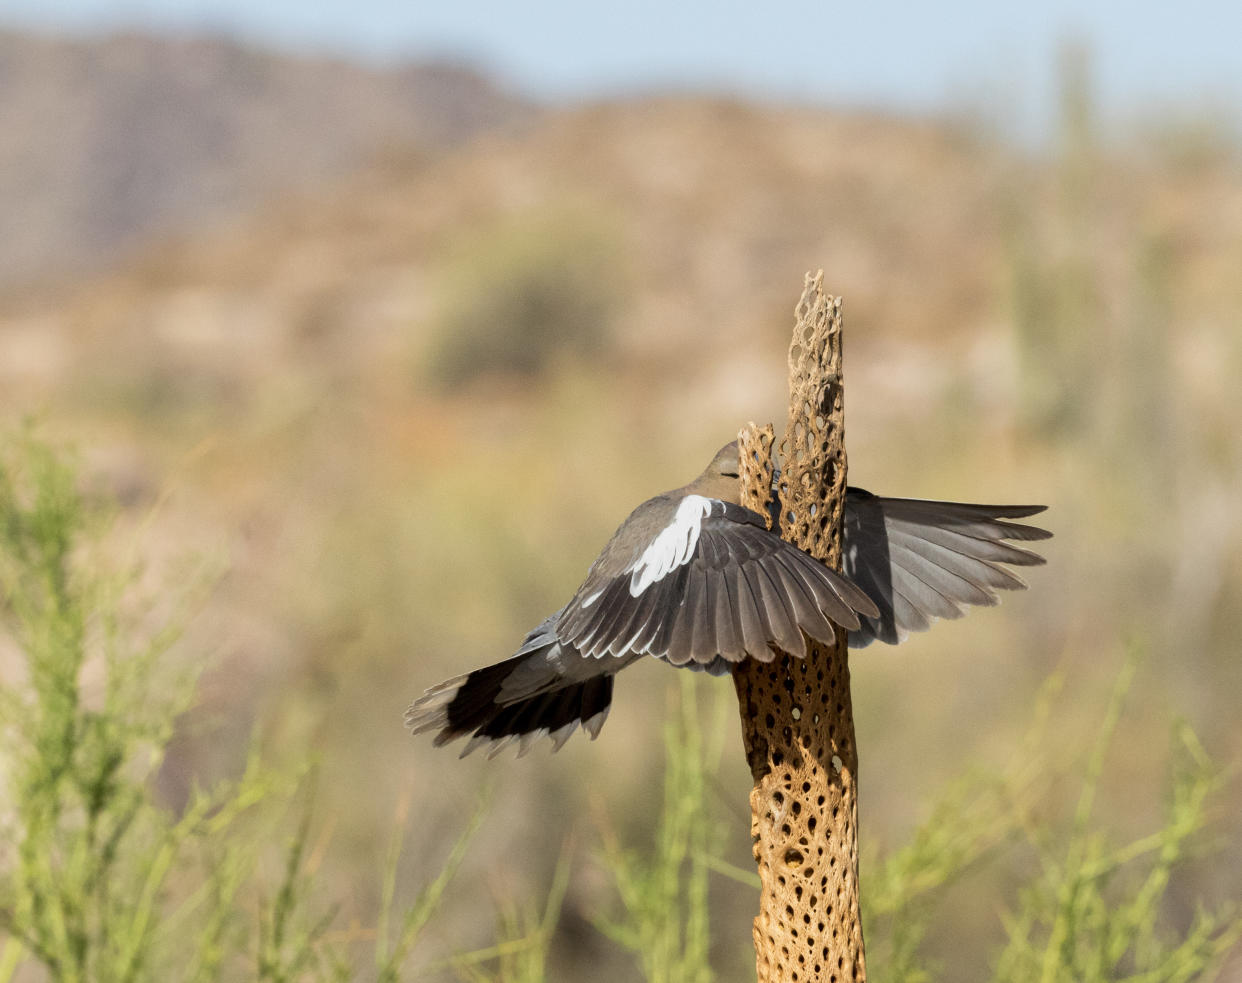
x=997 y=57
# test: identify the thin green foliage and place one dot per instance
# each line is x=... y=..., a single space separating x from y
x=664 y=920
x=970 y=821
x=521 y=954
x=1096 y=911
x=1092 y=910
x=99 y=881
x=390 y=961
x=291 y=947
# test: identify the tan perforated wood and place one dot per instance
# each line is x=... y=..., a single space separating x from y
x=797 y=720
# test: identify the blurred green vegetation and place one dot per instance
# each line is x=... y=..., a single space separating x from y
x=101 y=881
x=663 y=888
x=1084 y=907
x=521 y=293
x=98 y=881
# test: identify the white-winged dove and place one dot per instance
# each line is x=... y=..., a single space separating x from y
x=695 y=579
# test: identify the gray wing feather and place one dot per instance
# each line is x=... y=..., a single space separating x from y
x=812 y=619
x=921 y=560
x=727 y=637
x=680 y=649
x=740 y=591
x=984 y=574
x=750 y=617
x=780 y=610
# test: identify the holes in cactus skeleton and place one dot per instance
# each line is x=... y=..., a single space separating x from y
x=808 y=956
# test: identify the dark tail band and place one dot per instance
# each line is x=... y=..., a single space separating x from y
x=468 y=705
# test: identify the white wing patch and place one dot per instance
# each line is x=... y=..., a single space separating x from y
x=673 y=547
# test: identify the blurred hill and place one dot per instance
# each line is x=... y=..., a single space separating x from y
x=110 y=142
x=406 y=405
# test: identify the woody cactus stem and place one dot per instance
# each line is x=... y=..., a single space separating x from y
x=797 y=721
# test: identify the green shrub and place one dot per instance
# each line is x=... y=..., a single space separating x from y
x=518 y=295
x=663 y=919
x=99 y=881
x=1096 y=911
x=1092 y=910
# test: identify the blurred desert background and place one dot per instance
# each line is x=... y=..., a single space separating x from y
x=383 y=353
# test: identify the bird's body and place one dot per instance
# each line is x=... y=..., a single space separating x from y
x=693 y=578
